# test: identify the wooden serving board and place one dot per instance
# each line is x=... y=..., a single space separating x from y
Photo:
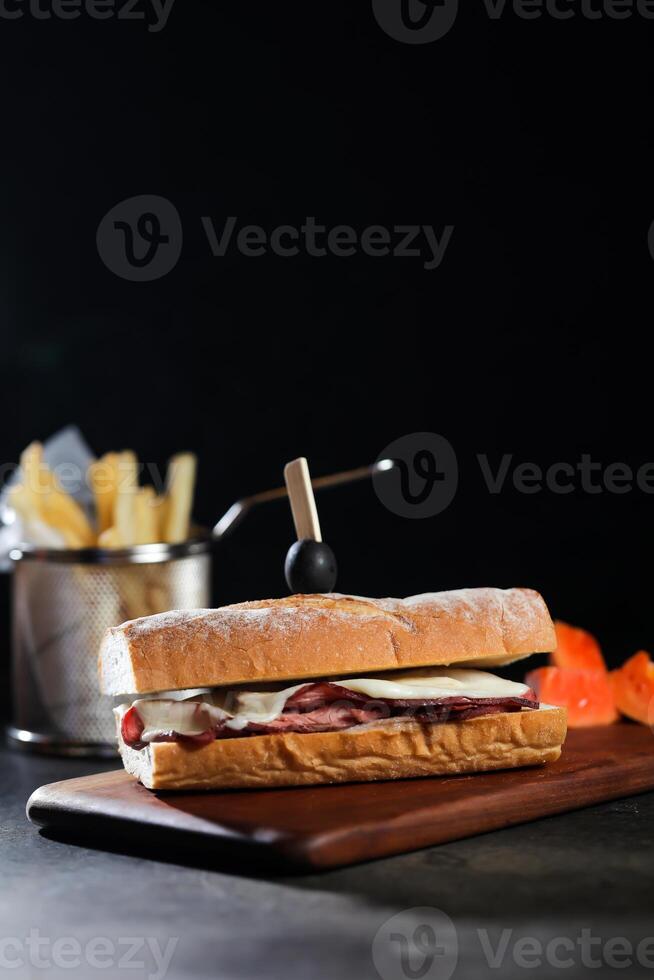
x=326 y=826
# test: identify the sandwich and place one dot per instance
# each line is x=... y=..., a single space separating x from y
x=330 y=688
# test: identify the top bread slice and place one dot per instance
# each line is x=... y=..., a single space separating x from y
x=305 y=636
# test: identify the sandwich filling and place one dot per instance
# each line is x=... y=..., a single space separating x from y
x=429 y=696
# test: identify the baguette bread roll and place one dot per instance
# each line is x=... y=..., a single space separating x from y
x=306 y=636
x=395 y=748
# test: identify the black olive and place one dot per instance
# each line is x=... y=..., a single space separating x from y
x=310 y=566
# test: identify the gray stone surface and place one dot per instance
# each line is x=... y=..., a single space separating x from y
x=581 y=881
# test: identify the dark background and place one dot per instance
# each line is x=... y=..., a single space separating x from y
x=533 y=138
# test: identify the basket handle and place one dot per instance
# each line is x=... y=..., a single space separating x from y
x=233 y=517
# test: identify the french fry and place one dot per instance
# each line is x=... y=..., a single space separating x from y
x=23 y=502
x=34 y=527
x=160 y=508
x=109 y=538
x=103 y=478
x=144 y=590
x=32 y=465
x=55 y=507
x=127 y=470
x=33 y=485
x=147 y=519
x=125 y=503
x=179 y=497
x=55 y=511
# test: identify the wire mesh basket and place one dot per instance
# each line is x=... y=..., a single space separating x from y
x=62 y=604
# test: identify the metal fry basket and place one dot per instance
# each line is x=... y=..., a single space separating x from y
x=62 y=604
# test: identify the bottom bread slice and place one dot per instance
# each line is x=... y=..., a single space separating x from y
x=397 y=748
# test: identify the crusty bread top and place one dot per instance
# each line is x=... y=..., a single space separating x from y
x=322 y=636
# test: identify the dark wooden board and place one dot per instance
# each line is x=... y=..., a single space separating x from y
x=327 y=826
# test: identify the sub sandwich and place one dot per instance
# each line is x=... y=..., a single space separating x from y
x=330 y=688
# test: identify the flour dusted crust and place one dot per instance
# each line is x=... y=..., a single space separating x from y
x=323 y=636
x=397 y=748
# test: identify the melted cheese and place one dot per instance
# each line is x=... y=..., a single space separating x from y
x=257 y=706
x=195 y=715
x=190 y=717
x=437 y=683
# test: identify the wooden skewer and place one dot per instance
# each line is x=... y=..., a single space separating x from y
x=303 y=504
